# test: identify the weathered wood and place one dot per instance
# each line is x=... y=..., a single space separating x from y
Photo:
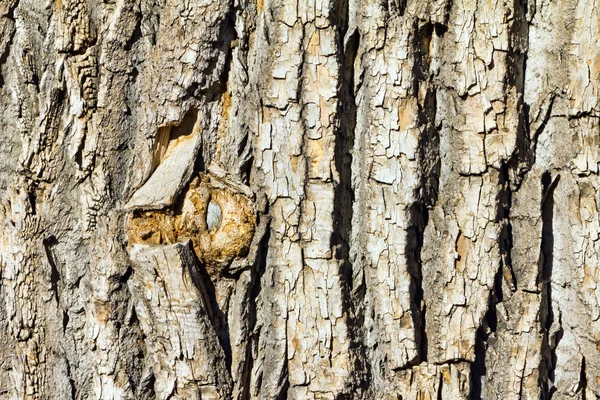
x=299 y=199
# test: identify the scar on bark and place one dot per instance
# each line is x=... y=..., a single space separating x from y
x=177 y=203
x=219 y=222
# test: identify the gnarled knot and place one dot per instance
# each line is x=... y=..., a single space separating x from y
x=219 y=222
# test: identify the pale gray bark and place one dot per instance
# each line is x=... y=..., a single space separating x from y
x=328 y=199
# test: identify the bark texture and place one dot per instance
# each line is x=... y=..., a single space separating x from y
x=299 y=199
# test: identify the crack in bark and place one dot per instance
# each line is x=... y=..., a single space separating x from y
x=548 y=363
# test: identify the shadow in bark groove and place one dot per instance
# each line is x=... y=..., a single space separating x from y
x=218 y=319
x=548 y=361
x=396 y=7
x=430 y=164
x=146 y=386
x=490 y=320
x=345 y=196
x=72 y=387
x=523 y=156
x=258 y=269
x=258 y=272
x=137 y=33
x=505 y=243
x=488 y=326
x=49 y=243
x=419 y=217
x=582 y=380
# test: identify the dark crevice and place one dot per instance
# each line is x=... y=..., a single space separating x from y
x=489 y=323
x=243 y=145
x=146 y=386
x=125 y=277
x=55 y=277
x=396 y=7
x=186 y=126
x=32 y=197
x=430 y=164
x=133 y=319
x=65 y=321
x=204 y=283
x=440 y=29
x=504 y=201
x=523 y=156
x=582 y=380
x=488 y=326
x=547 y=211
x=199 y=163
x=79 y=152
x=345 y=196
x=257 y=272
x=166 y=134
x=284 y=378
x=545 y=265
x=245 y=168
x=419 y=218
x=545 y=119
x=72 y=386
x=193 y=91
x=425 y=35
x=429 y=140
x=285 y=386
x=422 y=338
x=137 y=32
x=340 y=17
x=447 y=10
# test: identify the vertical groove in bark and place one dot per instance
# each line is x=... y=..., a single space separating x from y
x=344 y=197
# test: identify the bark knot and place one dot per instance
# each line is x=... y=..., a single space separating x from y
x=219 y=221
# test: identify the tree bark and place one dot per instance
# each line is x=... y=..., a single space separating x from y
x=316 y=199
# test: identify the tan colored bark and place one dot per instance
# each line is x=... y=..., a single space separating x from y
x=328 y=199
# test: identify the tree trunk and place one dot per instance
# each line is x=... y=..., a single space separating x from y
x=301 y=199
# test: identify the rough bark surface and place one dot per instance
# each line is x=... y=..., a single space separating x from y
x=299 y=199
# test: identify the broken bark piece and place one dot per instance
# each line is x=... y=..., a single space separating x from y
x=170 y=301
x=216 y=243
x=175 y=153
